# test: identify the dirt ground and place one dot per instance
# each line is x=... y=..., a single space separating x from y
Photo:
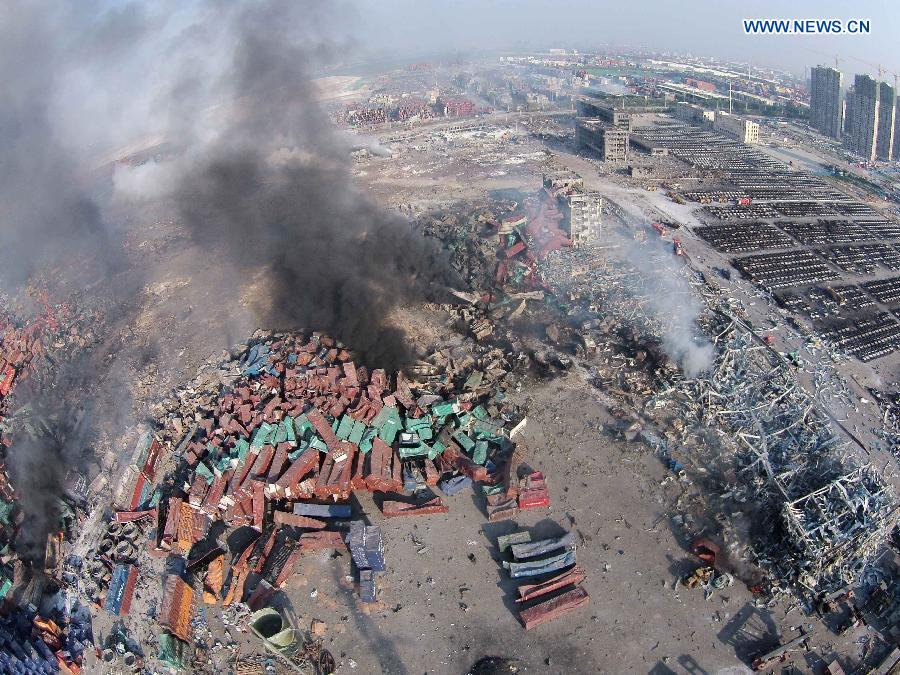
x=444 y=608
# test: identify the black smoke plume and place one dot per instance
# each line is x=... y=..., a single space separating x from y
x=252 y=168
x=270 y=190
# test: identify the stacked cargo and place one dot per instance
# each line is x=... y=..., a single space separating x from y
x=282 y=445
x=550 y=566
x=306 y=423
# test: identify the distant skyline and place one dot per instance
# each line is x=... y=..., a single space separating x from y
x=700 y=28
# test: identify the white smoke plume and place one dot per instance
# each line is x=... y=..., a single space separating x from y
x=666 y=296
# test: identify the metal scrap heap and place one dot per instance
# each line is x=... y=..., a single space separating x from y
x=833 y=514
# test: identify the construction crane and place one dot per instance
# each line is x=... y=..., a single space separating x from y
x=882 y=71
x=877 y=67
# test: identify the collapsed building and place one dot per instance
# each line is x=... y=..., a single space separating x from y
x=826 y=516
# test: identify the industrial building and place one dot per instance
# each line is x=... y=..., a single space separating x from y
x=887 y=99
x=610 y=143
x=582 y=211
x=744 y=130
x=648 y=146
x=862 y=116
x=693 y=114
x=612 y=116
x=826 y=109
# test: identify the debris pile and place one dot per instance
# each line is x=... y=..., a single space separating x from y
x=110 y=573
x=832 y=516
x=274 y=440
x=22 y=344
x=44 y=628
x=781 y=652
x=120 y=648
x=749 y=411
x=707 y=575
x=35 y=339
x=304 y=422
x=32 y=643
x=890 y=419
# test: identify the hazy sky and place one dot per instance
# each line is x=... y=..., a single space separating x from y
x=701 y=27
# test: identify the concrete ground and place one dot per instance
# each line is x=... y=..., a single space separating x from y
x=446 y=602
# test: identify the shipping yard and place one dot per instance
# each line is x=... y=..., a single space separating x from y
x=532 y=362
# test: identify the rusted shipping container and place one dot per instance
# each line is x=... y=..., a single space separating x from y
x=551 y=609
x=177 y=607
x=394 y=508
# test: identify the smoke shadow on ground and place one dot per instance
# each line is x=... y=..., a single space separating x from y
x=381 y=646
x=751 y=631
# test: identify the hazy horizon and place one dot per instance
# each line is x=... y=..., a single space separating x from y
x=395 y=28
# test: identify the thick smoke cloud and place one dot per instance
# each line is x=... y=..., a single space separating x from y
x=45 y=210
x=267 y=184
x=49 y=222
x=249 y=163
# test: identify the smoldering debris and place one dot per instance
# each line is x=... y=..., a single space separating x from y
x=369 y=143
x=246 y=157
x=53 y=228
x=661 y=287
x=766 y=449
x=529 y=283
x=332 y=259
x=60 y=408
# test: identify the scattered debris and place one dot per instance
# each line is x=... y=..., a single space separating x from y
x=781 y=652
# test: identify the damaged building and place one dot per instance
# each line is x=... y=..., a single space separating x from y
x=582 y=216
x=597 y=138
